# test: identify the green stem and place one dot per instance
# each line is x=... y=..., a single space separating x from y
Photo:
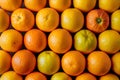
x=99 y=20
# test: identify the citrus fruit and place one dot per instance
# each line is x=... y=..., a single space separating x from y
x=60 y=76
x=115 y=20
x=73 y=63
x=11 y=40
x=22 y=19
x=85 y=41
x=99 y=63
x=11 y=75
x=109 y=77
x=109 y=41
x=48 y=62
x=47 y=19
x=97 y=20
x=72 y=19
x=5 y=61
x=10 y=5
x=60 y=41
x=86 y=76
x=23 y=62
x=60 y=5
x=116 y=63
x=4 y=20
x=35 y=76
x=35 y=5
x=35 y=40
x=84 y=5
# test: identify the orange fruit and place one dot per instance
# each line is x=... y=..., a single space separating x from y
x=11 y=75
x=99 y=63
x=60 y=5
x=73 y=63
x=35 y=5
x=11 y=40
x=72 y=19
x=35 y=40
x=109 y=77
x=5 y=61
x=60 y=41
x=97 y=20
x=47 y=19
x=35 y=76
x=86 y=76
x=23 y=62
x=10 y=5
x=4 y=20
x=22 y=19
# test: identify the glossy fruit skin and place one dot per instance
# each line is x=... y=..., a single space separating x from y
x=22 y=19
x=73 y=63
x=109 y=41
x=85 y=41
x=4 y=20
x=84 y=5
x=109 y=5
x=48 y=62
x=35 y=40
x=99 y=63
x=97 y=20
x=72 y=19
x=5 y=61
x=35 y=5
x=115 y=20
x=23 y=62
x=11 y=40
x=60 y=76
x=61 y=36
x=116 y=63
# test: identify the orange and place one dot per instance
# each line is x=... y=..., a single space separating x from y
x=60 y=41
x=99 y=63
x=72 y=19
x=4 y=20
x=5 y=61
x=35 y=76
x=73 y=63
x=109 y=77
x=47 y=19
x=35 y=40
x=11 y=75
x=22 y=19
x=86 y=76
x=60 y=5
x=23 y=62
x=11 y=40
x=10 y=5
x=35 y=5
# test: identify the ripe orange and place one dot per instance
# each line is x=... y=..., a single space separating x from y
x=35 y=5
x=11 y=75
x=60 y=41
x=47 y=19
x=5 y=61
x=35 y=40
x=73 y=63
x=23 y=62
x=86 y=76
x=11 y=40
x=4 y=20
x=60 y=5
x=10 y=5
x=35 y=76
x=22 y=19
x=99 y=63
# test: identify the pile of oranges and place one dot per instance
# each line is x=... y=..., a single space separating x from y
x=58 y=40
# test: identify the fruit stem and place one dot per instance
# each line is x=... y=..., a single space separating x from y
x=99 y=20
